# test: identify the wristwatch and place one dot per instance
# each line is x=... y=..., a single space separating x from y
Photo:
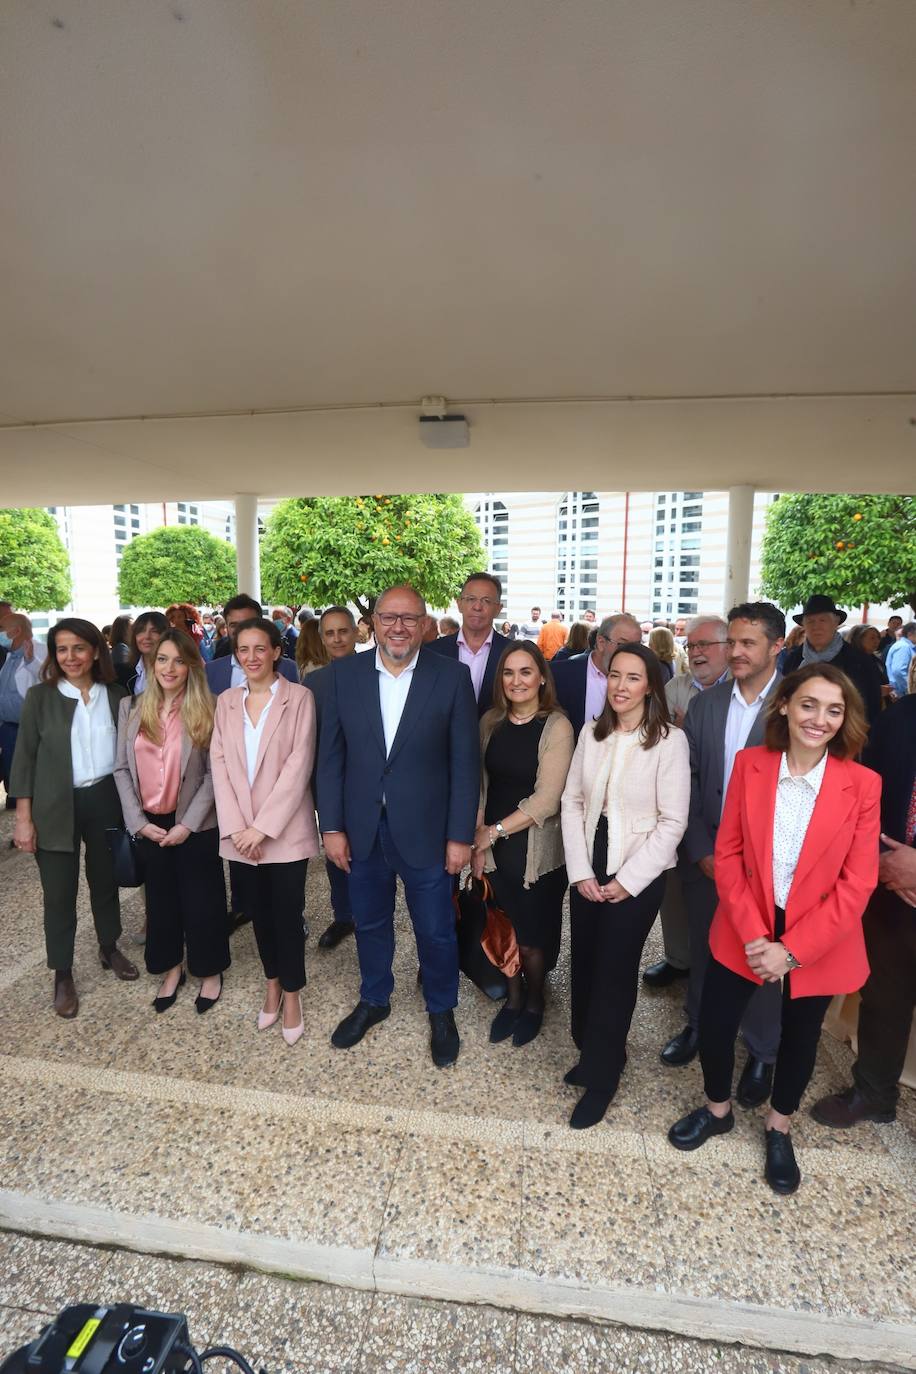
x=501 y=830
x=790 y=958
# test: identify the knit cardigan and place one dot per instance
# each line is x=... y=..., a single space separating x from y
x=545 y=839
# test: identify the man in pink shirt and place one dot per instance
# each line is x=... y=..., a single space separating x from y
x=477 y=645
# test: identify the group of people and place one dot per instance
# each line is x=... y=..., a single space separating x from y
x=731 y=798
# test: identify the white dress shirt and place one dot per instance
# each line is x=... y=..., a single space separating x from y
x=93 y=737
x=795 y=798
x=253 y=733
x=738 y=725
x=392 y=696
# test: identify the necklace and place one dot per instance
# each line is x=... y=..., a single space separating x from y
x=521 y=720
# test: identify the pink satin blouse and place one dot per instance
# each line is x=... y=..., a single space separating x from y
x=159 y=766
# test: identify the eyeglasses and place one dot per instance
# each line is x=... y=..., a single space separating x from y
x=389 y=618
x=700 y=646
x=485 y=601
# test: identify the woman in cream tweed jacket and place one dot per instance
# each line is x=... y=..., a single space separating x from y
x=624 y=811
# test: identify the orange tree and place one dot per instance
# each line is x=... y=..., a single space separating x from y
x=853 y=548
x=327 y=549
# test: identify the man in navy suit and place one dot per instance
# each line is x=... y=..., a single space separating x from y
x=398 y=788
x=477 y=644
x=582 y=681
x=224 y=672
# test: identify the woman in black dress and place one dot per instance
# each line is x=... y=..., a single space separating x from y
x=526 y=747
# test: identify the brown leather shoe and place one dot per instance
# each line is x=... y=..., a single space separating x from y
x=119 y=964
x=66 y=1002
x=845 y=1109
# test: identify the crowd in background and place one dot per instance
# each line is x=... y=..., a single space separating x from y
x=719 y=771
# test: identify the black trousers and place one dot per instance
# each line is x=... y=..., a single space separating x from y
x=274 y=896
x=185 y=903
x=607 y=945
x=95 y=809
x=725 y=998
x=888 y=998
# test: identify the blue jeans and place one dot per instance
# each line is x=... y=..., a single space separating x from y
x=340 y=892
x=373 y=884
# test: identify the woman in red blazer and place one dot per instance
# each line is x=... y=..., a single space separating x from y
x=262 y=754
x=796 y=861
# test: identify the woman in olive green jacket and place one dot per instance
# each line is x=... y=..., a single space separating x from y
x=64 y=785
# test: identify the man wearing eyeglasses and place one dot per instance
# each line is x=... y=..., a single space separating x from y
x=398 y=787
x=706 y=654
x=581 y=681
x=477 y=645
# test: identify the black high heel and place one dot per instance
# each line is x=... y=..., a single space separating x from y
x=161 y=1004
x=205 y=1003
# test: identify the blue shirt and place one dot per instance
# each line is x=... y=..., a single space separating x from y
x=897 y=664
x=10 y=698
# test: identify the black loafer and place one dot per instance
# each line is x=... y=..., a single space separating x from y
x=353 y=1027
x=590 y=1109
x=444 y=1041
x=574 y=1077
x=694 y=1129
x=336 y=931
x=781 y=1172
x=663 y=974
x=503 y=1024
x=681 y=1049
x=755 y=1083
x=527 y=1028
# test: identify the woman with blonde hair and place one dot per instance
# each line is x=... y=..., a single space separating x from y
x=310 y=651
x=661 y=642
x=163 y=778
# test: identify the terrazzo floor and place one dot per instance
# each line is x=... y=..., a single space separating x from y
x=371 y=1167
x=310 y=1328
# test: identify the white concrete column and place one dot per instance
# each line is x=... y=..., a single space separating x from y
x=738 y=546
x=246 y=545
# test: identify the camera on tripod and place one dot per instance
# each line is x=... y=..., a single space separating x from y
x=91 y=1338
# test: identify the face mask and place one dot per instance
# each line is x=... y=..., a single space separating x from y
x=280 y=624
x=5 y=641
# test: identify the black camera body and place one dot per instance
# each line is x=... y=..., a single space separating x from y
x=90 y=1338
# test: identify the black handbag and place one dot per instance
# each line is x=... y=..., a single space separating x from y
x=471 y=911
x=126 y=857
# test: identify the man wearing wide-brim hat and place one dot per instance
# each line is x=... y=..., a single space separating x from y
x=823 y=643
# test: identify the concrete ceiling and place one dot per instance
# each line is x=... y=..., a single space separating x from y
x=639 y=242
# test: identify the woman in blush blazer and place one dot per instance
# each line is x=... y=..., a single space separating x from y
x=624 y=811
x=796 y=862
x=262 y=754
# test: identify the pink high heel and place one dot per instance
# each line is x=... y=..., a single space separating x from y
x=267 y=1018
x=293 y=1033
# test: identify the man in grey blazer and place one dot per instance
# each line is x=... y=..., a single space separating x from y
x=337 y=628
x=707 y=656
x=719 y=722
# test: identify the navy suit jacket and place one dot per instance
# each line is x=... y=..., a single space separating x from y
x=431 y=778
x=219 y=672
x=571 y=678
x=448 y=645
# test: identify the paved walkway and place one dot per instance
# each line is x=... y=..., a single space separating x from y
x=198 y=1137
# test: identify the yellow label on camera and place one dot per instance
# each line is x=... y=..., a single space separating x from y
x=83 y=1339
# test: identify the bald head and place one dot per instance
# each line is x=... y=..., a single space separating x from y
x=18 y=627
x=400 y=590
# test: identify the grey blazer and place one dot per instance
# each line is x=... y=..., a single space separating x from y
x=704 y=726
x=196 y=808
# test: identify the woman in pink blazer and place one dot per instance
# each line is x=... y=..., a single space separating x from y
x=262 y=753
x=796 y=862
